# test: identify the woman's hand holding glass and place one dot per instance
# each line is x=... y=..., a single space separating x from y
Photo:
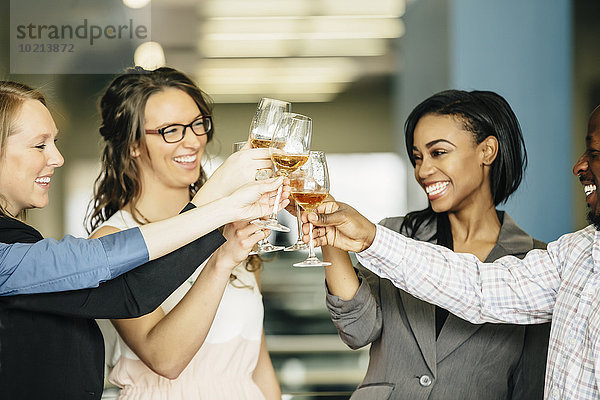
x=237 y=170
x=263 y=246
x=257 y=198
x=241 y=237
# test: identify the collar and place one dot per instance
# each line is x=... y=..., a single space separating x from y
x=512 y=238
x=595 y=250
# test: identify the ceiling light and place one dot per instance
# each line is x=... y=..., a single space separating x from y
x=245 y=8
x=298 y=37
x=149 y=55
x=298 y=79
x=136 y=3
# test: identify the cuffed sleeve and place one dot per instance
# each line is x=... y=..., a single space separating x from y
x=125 y=250
x=387 y=249
x=357 y=320
x=71 y=263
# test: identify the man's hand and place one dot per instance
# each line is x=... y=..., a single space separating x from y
x=339 y=225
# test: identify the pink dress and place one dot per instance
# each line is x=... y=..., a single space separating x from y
x=221 y=370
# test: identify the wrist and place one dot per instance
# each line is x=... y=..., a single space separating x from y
x=227 y=209
x=370 y=237
x=222 y=264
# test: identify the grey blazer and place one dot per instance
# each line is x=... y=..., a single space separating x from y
x=488 y=361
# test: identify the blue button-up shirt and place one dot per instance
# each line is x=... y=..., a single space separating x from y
x=561 y=284
x=72 y=263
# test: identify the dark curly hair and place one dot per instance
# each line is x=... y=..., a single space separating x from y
x=122 y=108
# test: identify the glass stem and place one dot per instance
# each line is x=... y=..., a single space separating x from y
x=276 y=206
x=311 y=248
x=299 y=221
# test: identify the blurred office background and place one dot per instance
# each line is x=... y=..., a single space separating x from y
x=357 y=68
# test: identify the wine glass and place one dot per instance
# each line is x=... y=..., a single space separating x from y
x=268 y=114
x=309 y=192
x=263 y=245
x=299 y=245
x=264 y=123
x=289 y=150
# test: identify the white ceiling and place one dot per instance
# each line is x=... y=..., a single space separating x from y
x=303 y=50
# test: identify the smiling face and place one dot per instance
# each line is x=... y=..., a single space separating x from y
x=587 y=168
x=29 y=159
x=449 y=165
x=171 y=165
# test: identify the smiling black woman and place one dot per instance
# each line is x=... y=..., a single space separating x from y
x=560 y=284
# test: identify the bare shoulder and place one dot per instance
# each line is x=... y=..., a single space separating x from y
x=105 y=230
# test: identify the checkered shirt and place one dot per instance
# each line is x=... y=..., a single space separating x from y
x=561 y=284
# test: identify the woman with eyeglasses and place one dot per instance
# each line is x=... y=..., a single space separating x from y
x=50 y=345
x=205 y=341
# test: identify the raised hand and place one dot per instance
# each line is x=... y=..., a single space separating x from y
x=339 y=225
x=237 y=170
x=241 y=237
x=257 y=199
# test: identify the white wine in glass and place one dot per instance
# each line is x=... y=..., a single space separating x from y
x=289 y=148
x=262 y=128
x=299 y=244
x=309 y=192
x=268 y=114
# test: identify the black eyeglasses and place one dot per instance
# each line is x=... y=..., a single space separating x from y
x=175 y=133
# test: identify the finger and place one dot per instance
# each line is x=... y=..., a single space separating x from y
x=332 y=219
x=267 y=187
x=272 y=183
x=249 y=229
x=258 y=236
x=260 y=154
x=304 y=216
x=320 y=242
x=246 y=146
x=319 y=232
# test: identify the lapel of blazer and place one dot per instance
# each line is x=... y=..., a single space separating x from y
x=511 y=240
x=454 y=333
x=421 y=316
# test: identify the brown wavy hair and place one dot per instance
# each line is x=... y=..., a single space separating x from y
x=122 y=108
x=12 y=97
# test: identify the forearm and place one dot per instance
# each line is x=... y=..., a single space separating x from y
x=171 y=343
x=264 y=374
x=212 y=190
x=358 y=320
x=340 y=275
x=130 y=295
x=509 y=290
x=164 y=236
x=72 y=263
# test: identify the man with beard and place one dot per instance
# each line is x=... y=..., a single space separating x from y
x=561 y=283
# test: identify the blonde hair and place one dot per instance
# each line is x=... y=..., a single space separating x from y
x=12 y=96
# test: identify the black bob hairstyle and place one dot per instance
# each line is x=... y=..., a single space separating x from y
x=484 y=114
